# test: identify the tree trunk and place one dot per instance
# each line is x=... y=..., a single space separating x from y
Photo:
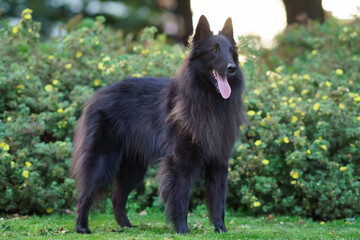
x=300 y=11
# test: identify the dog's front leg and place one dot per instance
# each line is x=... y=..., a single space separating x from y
x=176 y=179
x=216 y=185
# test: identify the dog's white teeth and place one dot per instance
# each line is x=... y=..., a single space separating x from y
x=213 y=71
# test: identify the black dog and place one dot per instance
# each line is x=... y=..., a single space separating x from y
x=188 y=124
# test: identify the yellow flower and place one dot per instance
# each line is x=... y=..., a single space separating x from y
x=15 y=30
x=324 y=147
x=49 y=210
x=316 y=106
x=322 y=223
x=12 y=164
x=27 y=16
x=305 y=91
x=256 y=204
x=294 y=174
x=27 y=77
x=265 y=162
x=81 y=40
x=8 y=119
x=79 y=54
x=55 y=82
x=101 y=66
x=357 y=99
x=291 y=88
x=147 y=183
x=60 y=110
x=251 y=113
x=294 y=76
x=342 y=169
x=28 y=164
x=106 y=59
x=4 y=146
x=328 y=84
x=339 y=71
x=25 y=173
x=68 y=66
x=20 y=86
x=145 y=51
x=30 y=30
x=257 y=91
x=26 y=11
x=297 y=133
x=314 y=52
x=51 y=57
x=306 y=76
x=294 y=119
x=324 y=97
x=49 y=88
x=293 y=182
x=257 y=142
x=97 y=42
x=358 y=118
x=286 y=140
x=308 y=151
x=262 y=123
x=97 y=82
x=341 y=106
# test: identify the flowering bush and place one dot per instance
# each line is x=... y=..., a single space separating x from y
x=298 y=154
x=300 y=151
x=44 y=86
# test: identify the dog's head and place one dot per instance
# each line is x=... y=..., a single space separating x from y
x=215 y=56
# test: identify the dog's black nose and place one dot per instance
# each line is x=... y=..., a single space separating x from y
x=231 y=68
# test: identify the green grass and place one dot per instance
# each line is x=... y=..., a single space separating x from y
x=153 y=226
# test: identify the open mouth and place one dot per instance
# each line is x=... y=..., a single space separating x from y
x=221 y=84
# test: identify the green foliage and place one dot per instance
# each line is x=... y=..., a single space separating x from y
x=43 y=88
x=299 y=153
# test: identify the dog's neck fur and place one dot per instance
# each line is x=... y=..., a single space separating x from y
x=204 y=116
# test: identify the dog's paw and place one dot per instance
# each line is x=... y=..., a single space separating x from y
x=182 y=230
x=83 y=230
x=220 y=229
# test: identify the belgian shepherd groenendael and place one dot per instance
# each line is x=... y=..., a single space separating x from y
x=188 y=124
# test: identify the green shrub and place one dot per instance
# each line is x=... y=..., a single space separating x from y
x=298 y=154
x=44 y=86
x=300 y=151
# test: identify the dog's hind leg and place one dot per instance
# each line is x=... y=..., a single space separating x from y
x=130 y=176
x=86 y=199
x=215 y=191
x=98 y=171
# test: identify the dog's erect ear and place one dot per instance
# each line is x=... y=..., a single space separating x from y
x=227 y=30
x=203 y=29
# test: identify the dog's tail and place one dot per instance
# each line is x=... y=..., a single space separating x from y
x=92 y=167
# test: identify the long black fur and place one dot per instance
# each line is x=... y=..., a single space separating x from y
x=182 y=122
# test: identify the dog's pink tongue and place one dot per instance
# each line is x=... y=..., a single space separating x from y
x=224 y=86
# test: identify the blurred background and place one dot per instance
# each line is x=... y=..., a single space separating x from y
x=177 y=18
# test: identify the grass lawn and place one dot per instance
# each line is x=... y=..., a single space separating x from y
x=153 y=226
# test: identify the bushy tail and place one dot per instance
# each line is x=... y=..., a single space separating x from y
x=78 y=160
x=94 y=165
